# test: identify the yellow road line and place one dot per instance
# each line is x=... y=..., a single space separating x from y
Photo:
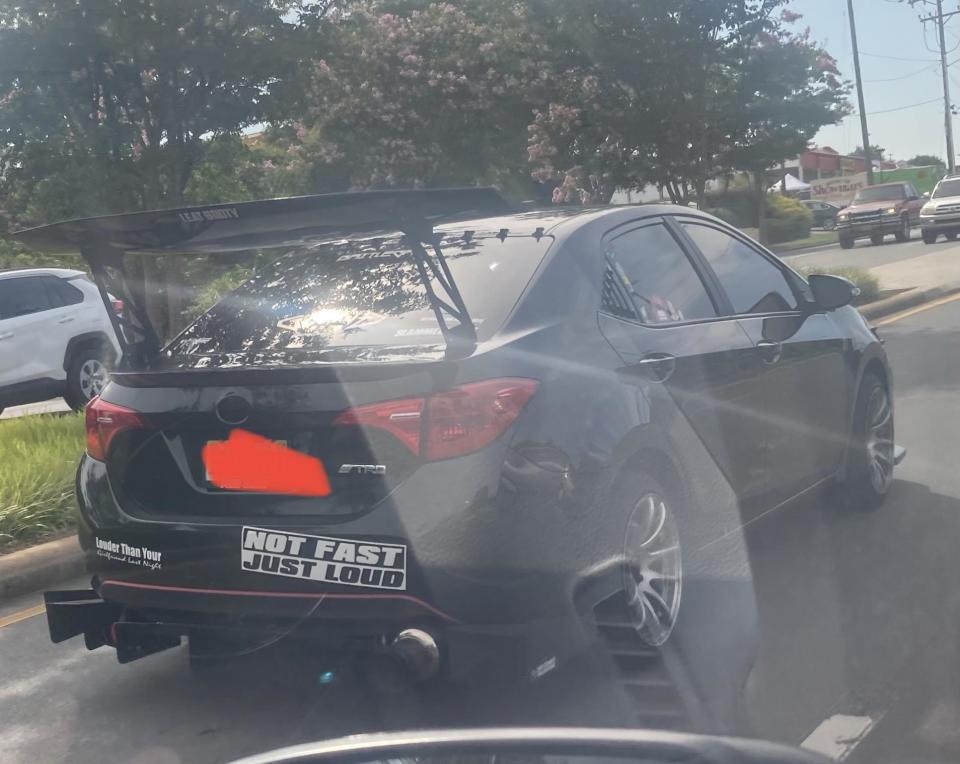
x=22 y=615
x=918 y=309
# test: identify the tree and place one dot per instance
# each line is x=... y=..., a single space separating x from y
x=654 y=93
x=787 y=89
x=111 y=105
x=925 y=160
x=424 y=94
x=876 y=152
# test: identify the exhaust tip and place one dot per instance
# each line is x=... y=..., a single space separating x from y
x=419 y=652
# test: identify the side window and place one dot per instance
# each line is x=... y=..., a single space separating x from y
x=62 y=292
x=20 y=296
x=753 y=283
x=651 y=279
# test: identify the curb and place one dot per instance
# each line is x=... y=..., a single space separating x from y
x=29 y=570
x=803 y=250
x=906 y=300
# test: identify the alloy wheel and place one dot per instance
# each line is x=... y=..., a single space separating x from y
x=880 y=440
x=653 y=571
x=93 y=377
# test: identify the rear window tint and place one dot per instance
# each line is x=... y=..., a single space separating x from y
x=361 y=294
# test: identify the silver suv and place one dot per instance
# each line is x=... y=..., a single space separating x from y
x=941 y=214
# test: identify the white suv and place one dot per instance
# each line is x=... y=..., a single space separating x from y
x=56 y=337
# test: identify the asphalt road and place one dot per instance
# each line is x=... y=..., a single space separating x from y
x=859 y=616
x=865 y=255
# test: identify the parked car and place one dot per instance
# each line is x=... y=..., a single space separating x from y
x=824 y=213
x=941 y=214
x=446 y=440
x=879 y=210
x=56 y=337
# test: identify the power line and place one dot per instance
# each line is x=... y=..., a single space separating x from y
x=927 y=68
x=902 y=108
x=897 y=58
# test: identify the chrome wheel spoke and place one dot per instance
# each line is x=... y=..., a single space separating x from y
x=652 y=569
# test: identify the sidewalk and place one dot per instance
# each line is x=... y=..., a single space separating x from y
x=931 y=270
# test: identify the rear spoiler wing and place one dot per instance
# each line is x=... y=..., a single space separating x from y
x=221 y=228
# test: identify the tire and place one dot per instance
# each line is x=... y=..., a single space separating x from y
x=869 y=472
x=952 y=236
x=87 y=372
x=876 y=239
x=846 y=242
x=652 y=578
x=929 y=237
x=829 y=224
x=904 y=233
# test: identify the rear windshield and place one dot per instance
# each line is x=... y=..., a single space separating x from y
x=312 y=302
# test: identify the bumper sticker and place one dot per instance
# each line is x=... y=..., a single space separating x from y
x=323 y=558
x=132 y=555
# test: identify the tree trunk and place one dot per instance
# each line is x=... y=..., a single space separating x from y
x=761 y=196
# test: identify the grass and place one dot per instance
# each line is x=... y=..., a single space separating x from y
x=38 y=460
x=868 y=283
x=816 y=238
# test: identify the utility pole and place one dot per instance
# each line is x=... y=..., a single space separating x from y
x=863 y=111
x=940 y=18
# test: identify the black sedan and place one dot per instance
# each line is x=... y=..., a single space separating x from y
x=824 y=213
x=436 y=427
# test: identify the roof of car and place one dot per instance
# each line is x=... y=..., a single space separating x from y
x=63 y=273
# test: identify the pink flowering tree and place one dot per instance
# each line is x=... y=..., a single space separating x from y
x=427 y=94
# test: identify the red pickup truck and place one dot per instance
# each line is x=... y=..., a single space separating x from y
x=878 y=210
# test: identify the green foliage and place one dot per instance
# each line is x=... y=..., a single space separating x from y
x=214 y=290
x=38 y=460
x=926 y=160
x=13 y=256
x=725 y=214
x=787 y=219
x=868 y=283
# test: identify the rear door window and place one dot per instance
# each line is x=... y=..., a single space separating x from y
x=650 y=278
x=22 y=296
x=362 y=294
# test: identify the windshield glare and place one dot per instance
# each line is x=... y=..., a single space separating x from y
x=488 y=370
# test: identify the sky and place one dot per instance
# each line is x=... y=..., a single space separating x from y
x=900 y=66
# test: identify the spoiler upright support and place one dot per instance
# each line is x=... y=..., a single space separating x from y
x=461 y=339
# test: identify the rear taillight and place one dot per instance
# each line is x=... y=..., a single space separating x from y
x=451 y=423
x=103 y=421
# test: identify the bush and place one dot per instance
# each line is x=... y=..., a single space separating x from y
x=726 y=215
x=38 y=460
x=787 y=219
x=866 y=281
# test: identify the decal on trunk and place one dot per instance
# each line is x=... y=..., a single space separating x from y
x=323 y=558
x=132 y=555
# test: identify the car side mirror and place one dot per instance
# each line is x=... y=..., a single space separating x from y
x=926 y=195
x=832 y=292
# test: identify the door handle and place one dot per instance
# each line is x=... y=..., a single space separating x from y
x=65 y=320
x=658 y=366
x=769 y=350
x=5 y=335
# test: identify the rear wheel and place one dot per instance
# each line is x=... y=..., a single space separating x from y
x=951 y=236
x=653 y=569
x=929 y=237
x=904 y=233
x=846 y=242
x=829 y=224
x=876 y=239
x=87 y=374
x=871 y=451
